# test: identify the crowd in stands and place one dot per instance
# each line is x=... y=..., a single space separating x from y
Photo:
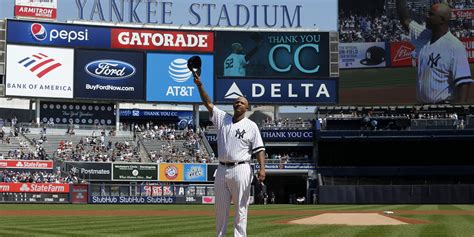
x=13 y=176
x=177 y=146
x=381 y=27
x=96 y=149
x=284 y=158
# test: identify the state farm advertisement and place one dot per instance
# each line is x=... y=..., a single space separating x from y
x=469 y=44
x=462 y=14
x=401 y=54
x=44 y=9
x=164 y=40
x=33 y=188
x=30 y=164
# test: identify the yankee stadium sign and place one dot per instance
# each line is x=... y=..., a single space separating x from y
x=321 y=14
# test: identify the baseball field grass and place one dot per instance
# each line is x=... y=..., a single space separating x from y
x=198 y=220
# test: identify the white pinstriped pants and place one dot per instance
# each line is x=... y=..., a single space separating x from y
x=232 y=182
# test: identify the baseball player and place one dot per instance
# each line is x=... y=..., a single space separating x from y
x=235 y=64
x=237 y=139
x=443 y=69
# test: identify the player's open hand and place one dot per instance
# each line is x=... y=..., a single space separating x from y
x=261 y=175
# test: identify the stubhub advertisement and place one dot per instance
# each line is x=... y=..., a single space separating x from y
x=114 y=75
x=169 y=79
x=41 y=33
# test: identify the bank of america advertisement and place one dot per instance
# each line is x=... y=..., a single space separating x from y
x=277 y=91
x=55 y=34
x=169 y=79
x=39 y=72
x=111 y=75
x=272 y=54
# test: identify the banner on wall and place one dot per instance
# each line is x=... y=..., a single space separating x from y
x=272 y=54
x=26 y=164
x=56 y=34
x=39 y=72
x=90 y=170
x=44 y=9
x=401 y=54
x=462 y=14
x=162 y=40
x=33 y=188
x=110 y=75
x=469 y=44
x=274 y=91
x=77 y=113
x=171 y=172
x=195 y=172
x=169 y=79
x=135 y=172
x=362 y=55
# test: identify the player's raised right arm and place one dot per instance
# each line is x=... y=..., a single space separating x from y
x=206 y=100
x=403 y=13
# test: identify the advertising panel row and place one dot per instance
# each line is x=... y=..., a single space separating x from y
x=33 y=188
x=108 y=75
x=140 y=171
x=26 y=164
x=276 y=136
x=77 y=113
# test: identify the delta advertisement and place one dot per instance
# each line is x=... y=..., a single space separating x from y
x=77 y=113
x=274 y=91
x=162 y=40
x=26 y=164
x=110 y=75
x=362 y=55
x=36 y=9
x=39 y=72
x=67 y=35
x=272 y=54
x=169 y=79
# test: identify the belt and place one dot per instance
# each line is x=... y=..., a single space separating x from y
x=230 y=164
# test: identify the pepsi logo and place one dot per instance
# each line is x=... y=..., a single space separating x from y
x=178 y=70
x=110 y=69
x=38 y=31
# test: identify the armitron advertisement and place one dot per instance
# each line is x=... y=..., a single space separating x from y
x=39 y=72
x=169 y=79
x=110 y=75
x=272 y=54
x=43 y=9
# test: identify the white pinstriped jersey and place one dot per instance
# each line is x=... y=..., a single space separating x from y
x=236 y=141
x=234 y=65
x=442 y=65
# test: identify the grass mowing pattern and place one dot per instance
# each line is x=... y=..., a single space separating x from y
x=258 y=225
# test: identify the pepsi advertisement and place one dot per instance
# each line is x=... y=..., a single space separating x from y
x=170 y=80
x=112 y=75
x=41 y=33
x=272 y=54
x=277 y=91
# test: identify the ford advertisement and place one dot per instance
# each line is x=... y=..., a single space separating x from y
x=169 y=79
x=109 y=75
x=41 y=33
